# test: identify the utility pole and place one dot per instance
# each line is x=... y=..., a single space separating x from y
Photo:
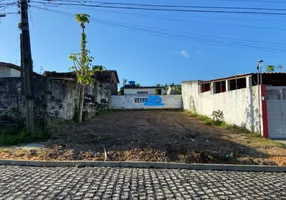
x=259 y=83
x=27 y=66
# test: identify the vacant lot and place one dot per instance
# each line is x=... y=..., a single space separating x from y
x=171 y=136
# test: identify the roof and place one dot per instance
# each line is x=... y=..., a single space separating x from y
x=13 y=66
x=10 y=65
x=268 y=78
x=266 y=74
x=142 y=87
x=103 y=75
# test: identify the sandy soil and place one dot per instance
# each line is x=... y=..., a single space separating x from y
x=163 y=136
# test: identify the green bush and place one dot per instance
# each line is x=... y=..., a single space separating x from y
x=13 y=136
x=209 y=122
x=203 y=117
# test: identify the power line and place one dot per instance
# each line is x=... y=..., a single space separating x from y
x=166 y=10
x=192 y=21
x=172 y=6
x=208 y=36
x=256 y=1
x=161 y=32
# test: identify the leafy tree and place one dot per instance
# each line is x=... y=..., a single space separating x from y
x=270 y=68
x=137 y=85
x=123 y=84
x=124 y=81
x=178 y=89
x=82 y=66
x=280 y=67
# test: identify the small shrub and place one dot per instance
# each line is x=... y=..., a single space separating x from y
x=203 y=117
x=209 y=122
x=218 y=115
x=11 y=136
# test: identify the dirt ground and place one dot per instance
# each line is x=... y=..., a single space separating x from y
x=162 y=136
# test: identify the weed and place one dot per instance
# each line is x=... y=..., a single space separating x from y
x=12 y=136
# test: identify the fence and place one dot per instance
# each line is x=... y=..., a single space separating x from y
x=146 y=102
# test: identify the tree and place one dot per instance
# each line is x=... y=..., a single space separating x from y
x=280 y=67
x=82 y=66
x=137 y=85
x=124 y=82
x=270 y=68
x=178 y=89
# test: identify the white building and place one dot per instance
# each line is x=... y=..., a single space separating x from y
x=148 y=90
x=9 y=70
x=258 y=108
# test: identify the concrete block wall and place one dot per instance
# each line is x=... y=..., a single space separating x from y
x=240 y=107
x=137 y=102
x=53 y=98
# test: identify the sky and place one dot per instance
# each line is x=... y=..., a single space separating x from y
x=173 y=46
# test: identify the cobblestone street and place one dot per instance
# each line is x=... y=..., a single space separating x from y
x=124 y=183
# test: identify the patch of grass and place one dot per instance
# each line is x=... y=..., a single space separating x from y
x=209 y=121
x=262 y=141
x=13 y=136
x=254 y=137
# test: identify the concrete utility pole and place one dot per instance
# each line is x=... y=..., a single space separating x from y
x=27 y=66
x=259 y=83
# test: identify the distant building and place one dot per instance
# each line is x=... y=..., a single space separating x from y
x=109 y=77
x=9 y=70
x=132 y=89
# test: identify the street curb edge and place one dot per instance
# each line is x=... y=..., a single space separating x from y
x=160 y=165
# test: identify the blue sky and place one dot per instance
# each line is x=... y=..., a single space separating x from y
x=148 y=58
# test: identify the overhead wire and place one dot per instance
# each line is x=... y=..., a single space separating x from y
x=165 y=9
x=256 y=1
x=170 y=6
x=193 y=21
x=196 y=38
x=212 y=36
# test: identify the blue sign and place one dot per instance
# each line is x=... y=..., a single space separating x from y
x=150 y=101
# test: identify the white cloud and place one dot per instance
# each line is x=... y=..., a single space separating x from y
x=184 y=53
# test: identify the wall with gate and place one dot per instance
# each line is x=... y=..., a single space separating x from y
x=146 y=102
x=240 y=107
x=276 y=111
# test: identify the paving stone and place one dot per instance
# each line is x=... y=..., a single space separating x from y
x=130 y=183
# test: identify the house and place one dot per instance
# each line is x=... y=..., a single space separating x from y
x=109 y=77
x=243 y=102
x=11 y=70
x=132 y=89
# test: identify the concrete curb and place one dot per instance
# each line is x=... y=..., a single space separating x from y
x=160 y=165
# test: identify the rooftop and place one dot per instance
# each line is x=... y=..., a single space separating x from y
x=268 y=78
x=16 y=67
x=71 y=75
x=142 y=87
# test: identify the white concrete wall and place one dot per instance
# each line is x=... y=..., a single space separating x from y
x=240 y=107
x=129 y=91
x=137 y=102
x=15 y=73
x=5 y=72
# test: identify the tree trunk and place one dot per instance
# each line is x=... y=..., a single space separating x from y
x=80 y=103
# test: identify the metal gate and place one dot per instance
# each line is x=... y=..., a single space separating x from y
x=276 y=110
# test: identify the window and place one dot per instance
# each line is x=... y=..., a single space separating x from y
x=205 y=87
x=142 y=92
x=219 y=87
x=237 y=83
x=273 y=95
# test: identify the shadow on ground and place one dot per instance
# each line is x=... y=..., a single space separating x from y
x=163 y=136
